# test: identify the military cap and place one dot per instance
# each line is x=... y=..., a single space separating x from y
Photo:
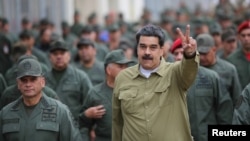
x=178 y=25
x=28 y=67
x=87 y=29
x=228 y=35
x=116 y=56
x=25 y=20
x=177 y=44
x=125 y=44
x=113 y=27
x=167 y=19
x=92 y=16
x=58 y=45
x=215 y=28
x=26 y=34
x=25 y=56
x=204 y=42
x=64 y=24
x=5 y=21
x=44 y=22
x=19 y=48
x=243 y=25
x=85 y=41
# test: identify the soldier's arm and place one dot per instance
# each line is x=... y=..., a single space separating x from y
x=85 y=123
x=236 y=87
x=242 y=113
x=223 y=102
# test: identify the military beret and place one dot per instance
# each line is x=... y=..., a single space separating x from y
x=177 y=44
x=243 y=25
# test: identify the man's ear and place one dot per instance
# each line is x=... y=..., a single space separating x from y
x=43 y=82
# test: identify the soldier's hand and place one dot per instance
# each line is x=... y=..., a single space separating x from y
x=188 y=43
x=95 y=112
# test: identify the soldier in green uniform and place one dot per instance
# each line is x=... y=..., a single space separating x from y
x=241 y=112
x=77 y=26
x=97 y=108
x=12 y=37
x=241 y=57
x=88 y=61
x=149 y=99
x=71 y=84
x=229 y=43
x=11 y=93
x=226 y=71
x=207 y=101
x=18 y=53
x=28 y=38
x=68 y=37
x=5 y=53
x=101 y=49
x=34 y=116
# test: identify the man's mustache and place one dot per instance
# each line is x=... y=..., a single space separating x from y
x=147 y=57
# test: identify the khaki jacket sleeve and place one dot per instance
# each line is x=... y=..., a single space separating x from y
x=186 y=71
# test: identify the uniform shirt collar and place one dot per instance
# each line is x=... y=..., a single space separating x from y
x=159 y=70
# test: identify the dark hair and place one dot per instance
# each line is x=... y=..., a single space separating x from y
x=151 y=30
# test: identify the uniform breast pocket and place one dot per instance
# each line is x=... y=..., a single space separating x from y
x=11 y=128
x=204 y=99
x=127 y=98
x=71 y=86
x=48 y=130
x=11 y=131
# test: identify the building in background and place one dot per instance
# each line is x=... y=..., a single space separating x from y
x=63 y=10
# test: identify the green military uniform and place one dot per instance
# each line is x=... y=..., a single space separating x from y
x=41 y=57
x=68 y=37
x=229 y=76
x=154 y=108
x=3 y=84
x=241 y=112
x=50 y=120
x=11 y=93
x=101 y=51
x=208 y=103
x=76 y=29
x=5 y=52
x=100 y=94
x=242 y=65
x=96 y=73
x=72 y=87
x=170 y=58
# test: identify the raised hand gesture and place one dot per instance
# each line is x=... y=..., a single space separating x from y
x=189 y=44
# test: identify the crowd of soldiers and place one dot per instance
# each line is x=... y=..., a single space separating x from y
x=76 y=66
